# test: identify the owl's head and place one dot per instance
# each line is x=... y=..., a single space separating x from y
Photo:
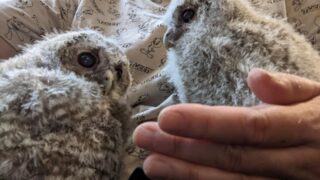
x=199 y=19
x=88 y=54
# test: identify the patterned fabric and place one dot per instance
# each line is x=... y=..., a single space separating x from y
x=136 y=26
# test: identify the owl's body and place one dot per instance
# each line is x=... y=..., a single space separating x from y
x=215 y=43
x=62 y=120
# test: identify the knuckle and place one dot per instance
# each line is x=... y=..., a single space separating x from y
x=177 y=146
x=256 y=125
x=234 y=157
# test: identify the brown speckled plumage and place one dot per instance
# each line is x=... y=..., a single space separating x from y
x=58 y=119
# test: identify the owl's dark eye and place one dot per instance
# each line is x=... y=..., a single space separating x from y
x=87 y=60
x=187 y=15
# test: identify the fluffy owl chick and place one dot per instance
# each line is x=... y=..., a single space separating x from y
x=213 y=44
x=63 y=113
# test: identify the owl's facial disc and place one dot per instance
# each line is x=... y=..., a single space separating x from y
x=93 y=64
x=180 y=20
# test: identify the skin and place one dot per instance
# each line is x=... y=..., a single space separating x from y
x=279 y=141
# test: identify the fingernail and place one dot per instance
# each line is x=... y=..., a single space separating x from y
x=170 y=113
x=258 y=73
x=158 y=170
x=162 y=113
x=143 y=136
x=170 y=121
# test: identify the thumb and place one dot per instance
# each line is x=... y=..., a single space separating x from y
x=280 y=88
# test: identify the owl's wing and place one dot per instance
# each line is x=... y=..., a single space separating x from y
x=35 y=103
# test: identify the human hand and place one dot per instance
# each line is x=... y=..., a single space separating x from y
x=217 y=142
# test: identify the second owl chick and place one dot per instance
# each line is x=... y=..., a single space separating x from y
x=213 y=44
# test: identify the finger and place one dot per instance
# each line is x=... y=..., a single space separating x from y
x=285 y=163
x=271 y=126
x=279 y=88
x=161 y=167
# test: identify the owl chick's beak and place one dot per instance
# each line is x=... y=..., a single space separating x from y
x=107 y=81
x=169 y=38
